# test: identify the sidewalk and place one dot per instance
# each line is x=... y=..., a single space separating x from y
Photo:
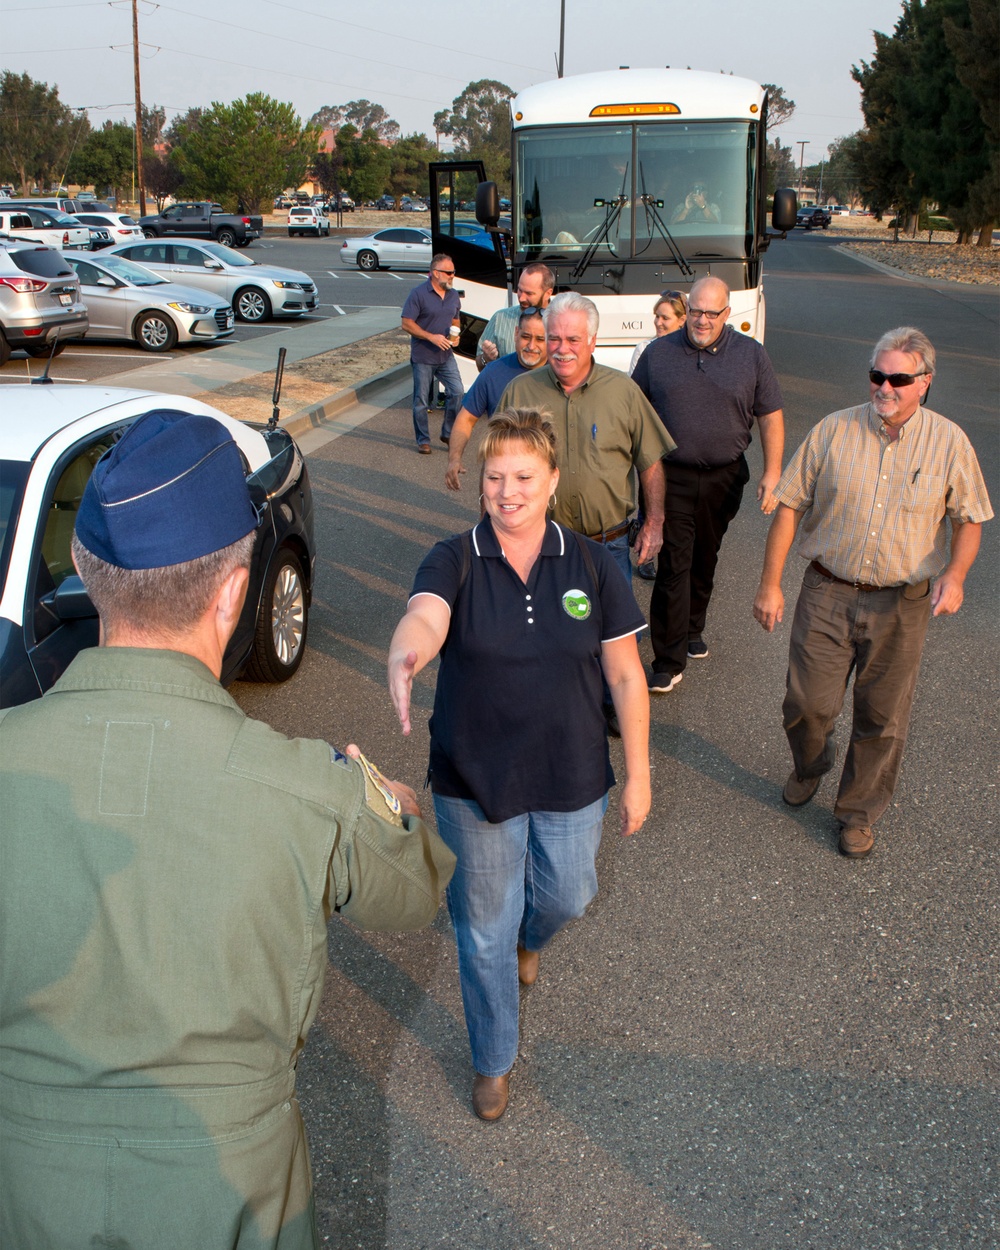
x=238 y=362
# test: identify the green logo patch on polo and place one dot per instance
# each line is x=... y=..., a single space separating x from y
x=576 y=604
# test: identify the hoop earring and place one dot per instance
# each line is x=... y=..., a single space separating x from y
x=552 y=501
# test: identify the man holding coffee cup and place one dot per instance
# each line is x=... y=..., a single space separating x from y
x=430 y=318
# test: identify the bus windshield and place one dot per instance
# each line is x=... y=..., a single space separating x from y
x=624 y=190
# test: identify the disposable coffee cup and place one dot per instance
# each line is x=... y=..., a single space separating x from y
x=453 y=333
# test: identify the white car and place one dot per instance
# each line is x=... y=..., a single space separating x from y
x=45 y=225
x=308 y=219
x=51 y=437
x=121 y=226
x=255 y=291
x=126 y=301
x=397 y=247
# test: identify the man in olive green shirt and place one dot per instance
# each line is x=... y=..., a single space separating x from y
x=168 y=870
x=605 y=427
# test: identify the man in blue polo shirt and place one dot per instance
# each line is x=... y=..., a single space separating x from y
x=530 y=352
x=429 y=314
x=708 y=383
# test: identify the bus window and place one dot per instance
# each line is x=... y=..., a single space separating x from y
x=700 y=179
x=572 y=180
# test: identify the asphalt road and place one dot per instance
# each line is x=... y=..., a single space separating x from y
x=748 y=1041
x=343 y=292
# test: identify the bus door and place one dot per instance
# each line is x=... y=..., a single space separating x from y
x=481 y=272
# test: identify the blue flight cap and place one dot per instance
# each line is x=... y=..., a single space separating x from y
x=173 y=488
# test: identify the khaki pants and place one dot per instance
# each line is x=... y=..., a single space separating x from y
x=879 y=637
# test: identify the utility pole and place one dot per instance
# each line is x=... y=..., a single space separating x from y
x=562 y=38
x=138 y=109
x=802 y=153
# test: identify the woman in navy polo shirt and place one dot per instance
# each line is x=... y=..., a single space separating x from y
x=526 y=616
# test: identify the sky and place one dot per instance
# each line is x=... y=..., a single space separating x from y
x=414 y=59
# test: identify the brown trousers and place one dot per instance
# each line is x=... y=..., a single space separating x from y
x=878 y=635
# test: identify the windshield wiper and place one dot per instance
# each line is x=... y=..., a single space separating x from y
x=649 y=203
x=612 y=211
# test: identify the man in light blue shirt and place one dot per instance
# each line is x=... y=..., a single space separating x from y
x=534 y=290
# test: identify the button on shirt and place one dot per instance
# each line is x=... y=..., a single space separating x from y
x=603 y=429
x=517 y=723
x=433 y=313
x=708 y=397
x=875 y=508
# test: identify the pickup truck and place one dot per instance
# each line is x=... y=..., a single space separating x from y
x=202 y=220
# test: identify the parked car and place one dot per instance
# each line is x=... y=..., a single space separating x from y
x=283 y=201
x=39 y=300
x=308 y=219
x=120 y=225
x=398 y=247
x=385 y=202
x=200 y=219
x=50 y=439
x=59 y=204
x=838 y=210
x=255 y=291
x=414 y=206
x=44 y=225
x=346 y=204
x=812 y=217
x=126 y=301
x=100 y=237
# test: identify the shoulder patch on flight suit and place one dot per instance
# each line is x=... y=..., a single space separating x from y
x=378 y=797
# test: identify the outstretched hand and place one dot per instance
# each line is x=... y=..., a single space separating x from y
x=401 y=673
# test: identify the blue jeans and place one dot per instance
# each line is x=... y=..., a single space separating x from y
x=454 y=393
x=516 y=883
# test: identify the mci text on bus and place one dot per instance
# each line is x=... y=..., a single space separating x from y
x=625 y=183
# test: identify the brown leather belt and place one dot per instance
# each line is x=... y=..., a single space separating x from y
x=824 y=572
x=609 y=536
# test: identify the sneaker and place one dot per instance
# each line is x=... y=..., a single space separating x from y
x=697 y=650
x=857 y=842
x=663 y=683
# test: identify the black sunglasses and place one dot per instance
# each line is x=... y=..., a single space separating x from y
x=896 y=380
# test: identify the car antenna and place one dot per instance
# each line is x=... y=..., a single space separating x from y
x=44 y=379
x=279 y=373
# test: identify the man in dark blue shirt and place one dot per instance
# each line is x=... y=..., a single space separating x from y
x=708 y=384
x=530 y=352
x=430 y=318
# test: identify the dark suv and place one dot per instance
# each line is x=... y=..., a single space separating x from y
x=39 y=299
x=812 y=218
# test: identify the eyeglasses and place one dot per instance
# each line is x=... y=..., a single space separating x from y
x=704 y=312
x=896 y=380
x=451 y=272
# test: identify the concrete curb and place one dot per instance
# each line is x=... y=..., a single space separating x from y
x=328 y=409
x=920 y=279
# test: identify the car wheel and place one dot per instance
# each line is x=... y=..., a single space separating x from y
x=367 y=260
x=226 y=237
x=282 y=621
x=291 y=234
x=148 y=234
x=41 y=351
x=251 y=304
x=4 y=349
x=155 y=332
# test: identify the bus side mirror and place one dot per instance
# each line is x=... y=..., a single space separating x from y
x=784 y=209
x=487 y=204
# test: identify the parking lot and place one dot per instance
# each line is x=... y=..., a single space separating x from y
x=342 y=292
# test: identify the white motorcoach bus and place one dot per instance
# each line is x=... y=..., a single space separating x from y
x=625 y=183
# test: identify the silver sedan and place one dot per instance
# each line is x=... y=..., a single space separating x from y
x=398 y=247
x=256 y=292
x=127 y=301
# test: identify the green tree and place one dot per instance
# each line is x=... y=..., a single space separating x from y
x=976 y=49
x=154 y=118
x=841 y=173
x=781 y=171
x=409 y=159
x=479 y=124
x=107 y=159
x=926 y=125
x=38 y=133
x=779 y=107
x=183 y=124
x=243 y=153
x=162 y=177
x=361 y=114
x=366 y=163
x=326 y=170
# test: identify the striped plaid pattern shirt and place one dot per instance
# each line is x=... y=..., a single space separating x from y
x=875 y=509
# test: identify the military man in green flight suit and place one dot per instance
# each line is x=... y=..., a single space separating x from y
x=167 y=871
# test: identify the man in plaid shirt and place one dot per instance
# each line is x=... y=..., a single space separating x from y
x=868 y=493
